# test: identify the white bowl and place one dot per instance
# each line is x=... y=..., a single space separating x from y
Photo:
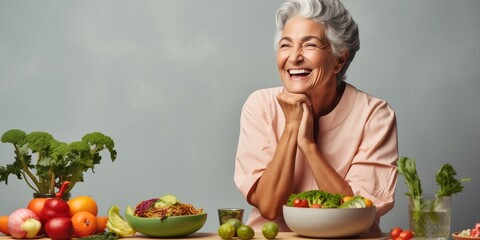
x=329 y=222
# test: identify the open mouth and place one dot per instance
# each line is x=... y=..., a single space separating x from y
x=298 y=73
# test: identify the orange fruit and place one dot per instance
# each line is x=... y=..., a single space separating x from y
x=4 y=225
x=101 y=223
x=83 y=203
x=346 y=198
x=84 y=224
x=368 y=202
x=36 y=205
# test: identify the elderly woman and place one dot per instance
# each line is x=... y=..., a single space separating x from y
x=316 y=131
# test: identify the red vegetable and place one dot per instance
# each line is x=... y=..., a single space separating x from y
x=395 y=232
x=400 y=234
x=143 y=206
x=474 y=232
x=406 y=235
x=315 y=205
x=55 y=207
x=300 y=203
x=59 y=228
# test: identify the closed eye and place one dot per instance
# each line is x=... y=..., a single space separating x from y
x=310 y=45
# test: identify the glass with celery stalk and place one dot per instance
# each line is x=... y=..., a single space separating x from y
x=430 y=214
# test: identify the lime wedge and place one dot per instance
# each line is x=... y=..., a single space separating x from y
x=117 y=224
x=129 y=211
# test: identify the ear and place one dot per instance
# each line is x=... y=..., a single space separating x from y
x=341 y=61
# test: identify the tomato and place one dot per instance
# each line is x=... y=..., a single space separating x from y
x=101 y=223
x=36 y=205
x=300 y=203
x=395 y=232
x=4 y=225
x=315 y=205
x=398 y=238
x=84 y=224
x=406 y=235
x=59 y=228
x=83 y=203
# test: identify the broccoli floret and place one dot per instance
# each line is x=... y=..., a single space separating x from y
x=323 y=198
x=39 y=141
x=14 y=136
x=100 y=141
x=333 y=201
x=79 y=146
x=59 y=149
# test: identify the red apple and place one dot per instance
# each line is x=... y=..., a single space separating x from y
x=59 y=228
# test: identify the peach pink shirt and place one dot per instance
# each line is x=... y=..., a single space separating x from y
x=358 y=138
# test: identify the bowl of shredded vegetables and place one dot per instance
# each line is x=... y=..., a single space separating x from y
x=165 y=217
x=319 y=214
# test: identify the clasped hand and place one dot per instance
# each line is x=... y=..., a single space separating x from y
x=298 y=116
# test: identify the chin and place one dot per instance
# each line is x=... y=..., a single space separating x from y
x=296 y=89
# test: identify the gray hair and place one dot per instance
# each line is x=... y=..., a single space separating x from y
x=341 y=29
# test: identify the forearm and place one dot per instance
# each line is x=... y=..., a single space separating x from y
x=326 y=177
x=276 y=183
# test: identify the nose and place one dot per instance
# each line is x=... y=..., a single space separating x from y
x=296 y=55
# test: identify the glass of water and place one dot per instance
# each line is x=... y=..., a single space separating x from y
x=429 y=216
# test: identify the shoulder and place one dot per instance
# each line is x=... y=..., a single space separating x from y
x=378 y=115
x=263 y=97
x=372 y=104
x=265 y=94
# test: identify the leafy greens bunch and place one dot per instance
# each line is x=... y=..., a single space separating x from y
x=53 y=161
x=327 y=200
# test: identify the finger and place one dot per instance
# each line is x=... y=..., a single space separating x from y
x=307 y=101
x=306 y=109
x=294 y=98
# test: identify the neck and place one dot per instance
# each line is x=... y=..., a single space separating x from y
x=324 y=103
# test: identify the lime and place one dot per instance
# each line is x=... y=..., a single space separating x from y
x=235 y=222
x=245 y=232
x=226 y=231
x=270 y=230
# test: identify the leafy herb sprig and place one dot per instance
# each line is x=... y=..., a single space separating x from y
x=446 y=180
x=408 y=169
x=102 y=236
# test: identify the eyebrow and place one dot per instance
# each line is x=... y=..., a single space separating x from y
x=304 y=39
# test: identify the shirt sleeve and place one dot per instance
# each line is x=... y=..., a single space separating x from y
x=373 y=171
x=256 y=144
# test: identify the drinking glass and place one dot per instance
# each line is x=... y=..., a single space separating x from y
x=226 y=213
x=430 y=216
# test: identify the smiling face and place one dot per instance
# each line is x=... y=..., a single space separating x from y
x=305 y=59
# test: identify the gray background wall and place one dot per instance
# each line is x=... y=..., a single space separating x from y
x=167 y=80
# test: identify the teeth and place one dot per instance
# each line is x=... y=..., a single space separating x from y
x=299 y=71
